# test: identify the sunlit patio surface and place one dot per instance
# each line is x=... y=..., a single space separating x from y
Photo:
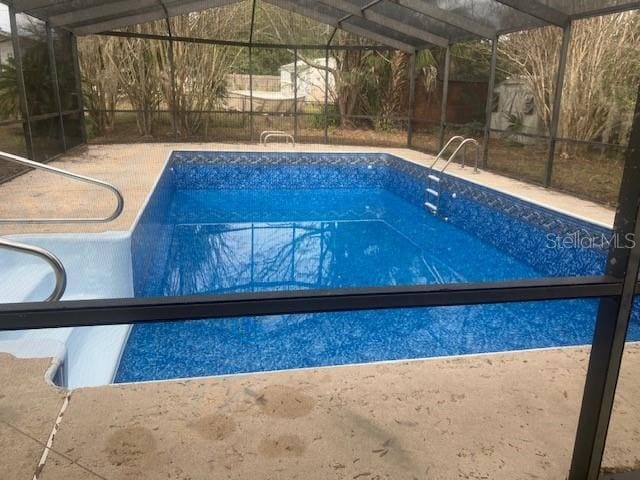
x=498 y=416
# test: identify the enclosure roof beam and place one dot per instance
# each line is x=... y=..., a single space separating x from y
x=607 y=10
x=132 y=16
x=305 y=11
x=23 y=5
x=445 y=16
x=387 y=22
x=538 y=10
x=104 y=10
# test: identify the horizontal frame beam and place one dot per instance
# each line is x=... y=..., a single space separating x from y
x=147 y=15
x=451 y=18
x=4 y=123
x=20 y=6
x=538 y=10
x=632 y=475
x=237 y=43
x=387 y=22
x=347 y=27
x=103 y=10
x=140 y=310
x=598 y=12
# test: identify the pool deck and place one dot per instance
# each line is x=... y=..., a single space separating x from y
x=499 y=416
x=135 y=168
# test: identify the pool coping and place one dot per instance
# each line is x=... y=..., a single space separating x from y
x=344 y=365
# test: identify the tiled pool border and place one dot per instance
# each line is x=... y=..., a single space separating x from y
x=521 y=208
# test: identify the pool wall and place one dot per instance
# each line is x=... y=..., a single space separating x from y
x=521 y=228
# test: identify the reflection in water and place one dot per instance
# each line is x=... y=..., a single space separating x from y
x=283 y=256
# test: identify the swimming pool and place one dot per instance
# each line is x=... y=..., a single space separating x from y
x=247 y=222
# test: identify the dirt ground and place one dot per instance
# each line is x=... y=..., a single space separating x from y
x=589 y=173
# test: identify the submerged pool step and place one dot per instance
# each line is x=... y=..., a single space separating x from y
x=432 y=193
x=431 y=207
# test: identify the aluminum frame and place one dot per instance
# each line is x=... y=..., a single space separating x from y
x=612 y=323
x=478 y=19
x=557 y=102
x=59 y=113
x=615 y=289
x=55 y=84
x=412 y=97
x=141 y=310
x=489 y=105
x=445 y=96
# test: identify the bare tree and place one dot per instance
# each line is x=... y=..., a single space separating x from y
x=602 y=70
x=200 y=70
x=135 y=60
x=100 y=81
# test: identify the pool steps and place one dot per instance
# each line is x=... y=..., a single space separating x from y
x=87 y=356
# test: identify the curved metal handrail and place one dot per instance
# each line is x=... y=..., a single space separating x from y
x=463 y=144
x=81 y=178
x=268 y=132
x=444 y=149
x=50 y=258
x=286 y=136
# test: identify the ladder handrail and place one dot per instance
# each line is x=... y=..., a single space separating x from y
x=286 y=136
x=444 y=149
x=267 y=132
x=58 y=269
x=74 y=176
x=466 y=140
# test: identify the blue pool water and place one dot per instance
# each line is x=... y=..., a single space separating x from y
x=230 y=224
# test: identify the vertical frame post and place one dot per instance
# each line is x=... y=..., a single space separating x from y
x=557 y=101
x=326 y=85
x=253 y=20
x=22 y=92
x=55 y=84
x=251 y=136
x=326 y=95
x=172 y=72
x=445 y=94
x=412 y=98
x=295 y=93
x=76 y=68
x=612 y=321
x=489 y=105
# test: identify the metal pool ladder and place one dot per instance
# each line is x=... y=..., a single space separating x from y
x=50 y=258
x=434 y=179
x=267 y=134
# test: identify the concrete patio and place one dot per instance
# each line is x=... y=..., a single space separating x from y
x=134 y=168
x=503 y=416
